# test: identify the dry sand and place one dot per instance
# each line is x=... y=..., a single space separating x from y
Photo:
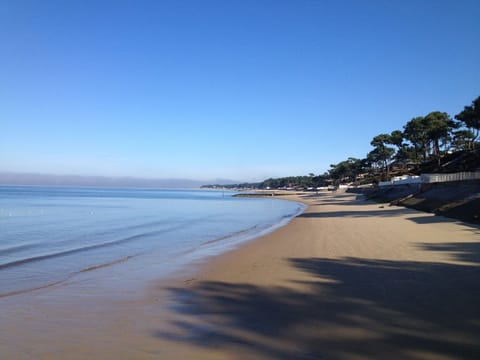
x=345 y=280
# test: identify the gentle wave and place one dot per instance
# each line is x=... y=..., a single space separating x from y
x=107 y=264
x=23 y=291
x=66 y=278
x=75 y=251
x=14 y=249
x=229 y=236
x=145 y=225
x=257 y=231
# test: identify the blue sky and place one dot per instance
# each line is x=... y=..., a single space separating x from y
x=223 y=89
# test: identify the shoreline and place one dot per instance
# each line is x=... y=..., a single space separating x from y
x=346 y=279
x=17 y=270
x=409 y=291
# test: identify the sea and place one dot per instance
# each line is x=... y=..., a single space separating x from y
x=50 y=236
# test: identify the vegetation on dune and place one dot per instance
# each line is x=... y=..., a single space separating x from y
x=432 y=143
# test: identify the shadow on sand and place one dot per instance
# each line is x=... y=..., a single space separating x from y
x=348 y=308
x=466 y=251
x=357 y=213
x=338 y=199
x=427 y=219
x=438 y=219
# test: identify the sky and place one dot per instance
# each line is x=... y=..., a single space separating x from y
x=235 y=89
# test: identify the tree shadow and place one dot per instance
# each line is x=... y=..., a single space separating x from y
x=432 y=219
x=347 y=199
x=439 y=219
x=475 y=229
x=465 y=251
x=349 y=202
x=348 y=308
x=357 y=213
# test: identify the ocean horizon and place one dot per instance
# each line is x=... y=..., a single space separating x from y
x=51 y=235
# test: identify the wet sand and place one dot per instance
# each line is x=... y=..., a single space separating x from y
x=345 y=280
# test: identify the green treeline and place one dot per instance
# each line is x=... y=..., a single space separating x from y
x=424 y=139
x=426 y=143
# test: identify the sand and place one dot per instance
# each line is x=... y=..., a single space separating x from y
x=347 y=279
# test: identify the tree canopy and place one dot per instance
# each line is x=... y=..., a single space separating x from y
x=470 y=116
x=424 y=139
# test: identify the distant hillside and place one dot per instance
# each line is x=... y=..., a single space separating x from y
x=9 y=178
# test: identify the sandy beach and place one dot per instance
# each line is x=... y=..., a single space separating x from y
x=347 y=279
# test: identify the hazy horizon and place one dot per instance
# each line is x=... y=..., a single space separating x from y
x=37 y=179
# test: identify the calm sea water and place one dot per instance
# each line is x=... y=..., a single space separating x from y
x=51 y=234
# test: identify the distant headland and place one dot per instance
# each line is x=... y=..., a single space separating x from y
x=12 y=178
